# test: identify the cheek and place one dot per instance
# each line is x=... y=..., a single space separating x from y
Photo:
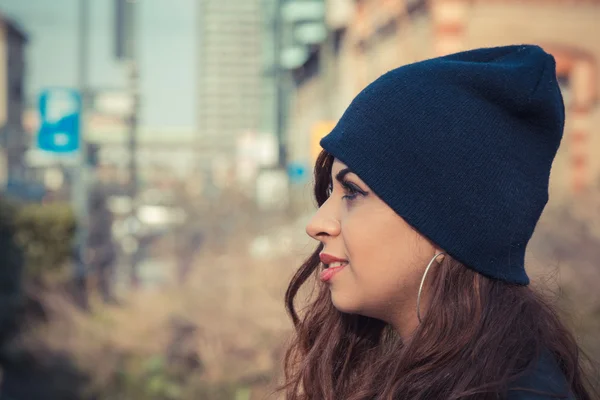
x=385 y=256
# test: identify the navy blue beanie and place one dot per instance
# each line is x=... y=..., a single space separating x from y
x=461 y=147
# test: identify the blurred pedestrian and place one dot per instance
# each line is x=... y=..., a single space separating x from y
x=429 y=189
x=189 y=243
x=101 y=245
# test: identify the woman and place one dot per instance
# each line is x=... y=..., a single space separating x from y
x=429 y=189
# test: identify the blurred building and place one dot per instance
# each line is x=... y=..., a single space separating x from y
x=13 y=141
x=158 y=161
x=230 y=89
x=378 y=35
x=165 y=156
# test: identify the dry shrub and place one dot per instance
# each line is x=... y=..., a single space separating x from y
x=216 y=336
x=221 y=334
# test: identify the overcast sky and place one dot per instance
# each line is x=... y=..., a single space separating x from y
x=167 y=52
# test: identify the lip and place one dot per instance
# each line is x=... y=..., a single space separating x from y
x=330 y=272
x=328 y=259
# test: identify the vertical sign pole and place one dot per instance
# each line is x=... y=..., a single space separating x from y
x=80 y=192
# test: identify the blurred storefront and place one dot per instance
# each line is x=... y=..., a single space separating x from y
x=379 y=35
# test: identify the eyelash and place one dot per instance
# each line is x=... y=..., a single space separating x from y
x=351 y=190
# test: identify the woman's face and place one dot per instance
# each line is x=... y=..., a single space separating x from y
x=383 y=257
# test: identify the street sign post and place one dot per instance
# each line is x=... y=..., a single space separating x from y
x=60 y=121
x=60 y=136
x=297 y=172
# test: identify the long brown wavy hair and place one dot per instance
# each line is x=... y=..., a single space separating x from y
x=477 y=338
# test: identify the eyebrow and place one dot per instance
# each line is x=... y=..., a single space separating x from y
x=340 y=175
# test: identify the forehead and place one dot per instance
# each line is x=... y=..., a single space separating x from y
x=339 y=170
x=337 y=167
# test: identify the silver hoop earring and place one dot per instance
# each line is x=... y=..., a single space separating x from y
x=423 y=281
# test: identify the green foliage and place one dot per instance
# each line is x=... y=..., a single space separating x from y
x=45 y=233
x=35 y=240
x=221 y=391
x=143 y=379
x=11 y=293
x=151 y=378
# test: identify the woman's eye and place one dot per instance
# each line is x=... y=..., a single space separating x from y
x=351 y=191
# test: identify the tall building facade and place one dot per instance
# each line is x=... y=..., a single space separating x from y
x=13 y=141
x=230 y=77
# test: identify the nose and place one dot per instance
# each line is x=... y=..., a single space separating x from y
x=324 y=224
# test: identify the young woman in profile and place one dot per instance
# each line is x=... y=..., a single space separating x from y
x=429 y=189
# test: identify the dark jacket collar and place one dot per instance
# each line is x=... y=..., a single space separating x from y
x=546 y=377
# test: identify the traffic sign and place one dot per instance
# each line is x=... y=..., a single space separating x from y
x=297 y=172
x=60 y=115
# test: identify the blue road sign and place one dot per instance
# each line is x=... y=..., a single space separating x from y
x=60 y=114
x=297 y=172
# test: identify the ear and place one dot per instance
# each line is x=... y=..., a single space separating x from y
x=441 y=257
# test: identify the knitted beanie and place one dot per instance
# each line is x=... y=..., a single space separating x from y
x=461 y=148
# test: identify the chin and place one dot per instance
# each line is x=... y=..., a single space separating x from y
x=351 y=305
x=345 y=304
